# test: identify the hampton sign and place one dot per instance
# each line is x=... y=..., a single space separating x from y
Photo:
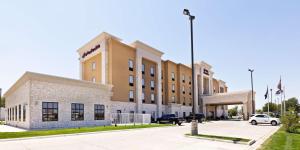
x=90 y=51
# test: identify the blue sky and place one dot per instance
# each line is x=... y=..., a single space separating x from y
x=230 y=35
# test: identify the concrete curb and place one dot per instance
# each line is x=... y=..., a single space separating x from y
x=222 y=140
x=262 y=139
x=75 y=134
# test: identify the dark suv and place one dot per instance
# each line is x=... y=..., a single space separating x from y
x=170 y=118
x=198 y=117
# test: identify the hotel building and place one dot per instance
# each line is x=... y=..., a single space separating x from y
x=116 y=77
x=144 y=83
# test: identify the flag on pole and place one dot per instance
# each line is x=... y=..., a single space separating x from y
x=279 y=85
x=267 y=93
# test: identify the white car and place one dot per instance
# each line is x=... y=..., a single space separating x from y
x=263 y=119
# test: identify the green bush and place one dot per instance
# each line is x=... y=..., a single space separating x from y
x=290 y=121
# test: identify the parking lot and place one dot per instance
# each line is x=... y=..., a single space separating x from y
x=151 y=138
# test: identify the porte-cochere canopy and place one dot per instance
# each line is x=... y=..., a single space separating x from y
x=231 y=98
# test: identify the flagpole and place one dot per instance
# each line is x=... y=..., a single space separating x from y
x=284 y=99
x=268 y=104
x=271 y=98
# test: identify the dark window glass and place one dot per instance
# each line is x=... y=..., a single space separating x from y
x=50 y=111
x=16 y=113
x=260 y=116
x=99 y=112
x=24 y=113
x=77 y=112
x=20 y=112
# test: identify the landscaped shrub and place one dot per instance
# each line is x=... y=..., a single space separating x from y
x=290 y=121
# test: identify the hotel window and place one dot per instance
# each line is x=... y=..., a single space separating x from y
x=131 y=80
x=8 y=116
x=130 y=64
x=190 y=82
x=143 y=69
x=93 y=79
x=16 y=113
x=143 y=97
x=152 y=71
x=183 y=101
x=131 y=99
x=143 y=83
x=173 y=99
x=24 y=112
x=183 y=89
x=183 y=78
x=190 y=89
x=13 y=116
x=173 y=76
x=173 y=88
x=152 y=84
x=93 y=66
x=20 y=112
x=50 y=111
x=99 y=112
x=77 y=112
x=152 y=98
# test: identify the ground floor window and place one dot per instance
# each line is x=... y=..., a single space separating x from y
x=24 y=112
x=77 y=112
x=99 y=112
x=20 y=112
x=16 y=113
x=50 y=111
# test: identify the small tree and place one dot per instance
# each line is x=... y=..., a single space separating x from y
x=233 y=111
x=290 y=120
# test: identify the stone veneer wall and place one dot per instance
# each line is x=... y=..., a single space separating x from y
x=19 y=96
x=125 y=107
x=66 y=94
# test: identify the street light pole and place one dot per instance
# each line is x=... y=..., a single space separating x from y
x=251 y=71
x=194 y=124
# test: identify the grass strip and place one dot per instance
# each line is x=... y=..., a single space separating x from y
x=234 y=139
x=282 y=140
x=33 y=133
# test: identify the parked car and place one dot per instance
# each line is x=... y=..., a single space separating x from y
x=198 y=117
x=170 y=118
x=263 y=119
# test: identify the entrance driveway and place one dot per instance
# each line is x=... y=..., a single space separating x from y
x=149 y=139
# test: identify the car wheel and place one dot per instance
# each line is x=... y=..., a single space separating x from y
x=253 y=122
x=273 y=123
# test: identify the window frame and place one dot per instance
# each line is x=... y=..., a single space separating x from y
x=131 y=80
x=46 y=115
x=152 y=84
x=77 y=112
x=131 y=98
x=152 y=97
x=99 y=112
x=130 y=65
x=152 y=71
x=93 y=66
